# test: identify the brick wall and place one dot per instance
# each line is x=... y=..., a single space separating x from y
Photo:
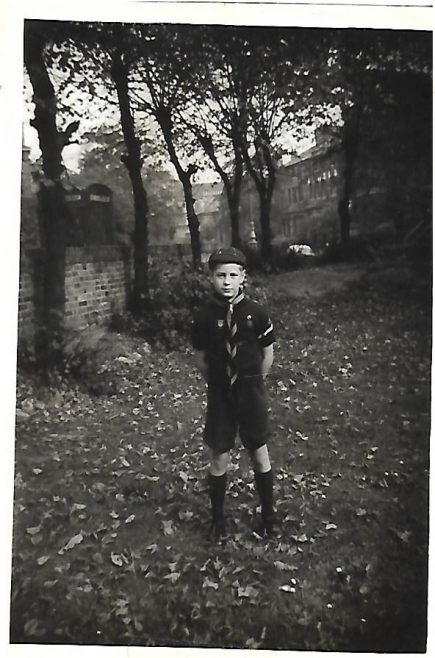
x=26 y=294
x=96 y=284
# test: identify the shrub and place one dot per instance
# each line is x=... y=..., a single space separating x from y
x=26 y=357
x=82 y=362
x=254 y=260
x=174 y=296
x=356 y=249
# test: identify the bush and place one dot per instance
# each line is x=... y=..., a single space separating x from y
x=174 y=297
x=254 y=260
x=356 y=249
x=83 y=361
x=26 y=357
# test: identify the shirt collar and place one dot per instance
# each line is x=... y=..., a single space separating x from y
x=221 y=301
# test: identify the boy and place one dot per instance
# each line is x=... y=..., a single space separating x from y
x=234 y=339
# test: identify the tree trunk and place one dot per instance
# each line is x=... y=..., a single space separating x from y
x=350 y=145
x=265 y=184
x=133 y=163
x=192 y=221
x=232 y=186
x=266 y=233
x=266 y=205
x=234 y=199
x=234 y=208
x=344 y=216
x=344 y=213
x=265 y=199
x=233 y=191
x=164 y=120
x=51 y=205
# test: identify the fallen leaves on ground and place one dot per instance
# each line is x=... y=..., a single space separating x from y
x=111 y=509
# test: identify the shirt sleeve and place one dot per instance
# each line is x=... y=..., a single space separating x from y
x=265 y=329
x=198 y=332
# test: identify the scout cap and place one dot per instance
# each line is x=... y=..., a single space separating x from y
x=227 y=255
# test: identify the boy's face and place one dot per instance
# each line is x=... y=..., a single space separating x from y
x=227 y=279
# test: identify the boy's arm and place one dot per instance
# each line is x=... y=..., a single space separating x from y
x=199 y=341
x=267 y=361
x=201 y=362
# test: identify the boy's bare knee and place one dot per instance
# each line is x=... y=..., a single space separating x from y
x=260 y=459
x=219 y=462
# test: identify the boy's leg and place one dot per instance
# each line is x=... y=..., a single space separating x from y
x=217 y=480
x=219 y=435
x=254 y=431
x=264 y=483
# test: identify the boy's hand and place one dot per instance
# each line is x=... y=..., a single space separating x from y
x=267 y=360
x=201 y=363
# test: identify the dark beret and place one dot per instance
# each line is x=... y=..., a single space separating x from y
x=227 y=255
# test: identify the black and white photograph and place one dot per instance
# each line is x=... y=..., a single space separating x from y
x=222 y=331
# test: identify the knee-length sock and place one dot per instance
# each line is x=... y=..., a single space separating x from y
x=216 y=487
x=264 y=485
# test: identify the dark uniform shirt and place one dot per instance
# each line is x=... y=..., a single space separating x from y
x=254 y=332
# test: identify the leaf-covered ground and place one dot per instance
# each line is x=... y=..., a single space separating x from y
x=111 y=509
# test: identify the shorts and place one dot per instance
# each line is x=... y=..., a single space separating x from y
x=243 y=410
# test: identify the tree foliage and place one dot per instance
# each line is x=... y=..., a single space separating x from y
x=163 y=84
x=264 y=79
x=380 y=81
x=241 y=96
x=106 y=54
x=217 y=112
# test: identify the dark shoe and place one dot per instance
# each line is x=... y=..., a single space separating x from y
x=266 y=529
x=217 y=533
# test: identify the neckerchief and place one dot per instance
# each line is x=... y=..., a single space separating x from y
x=230 y=334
